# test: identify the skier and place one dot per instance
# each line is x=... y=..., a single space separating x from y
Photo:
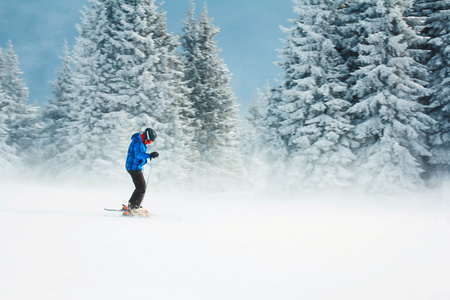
x=136 y=159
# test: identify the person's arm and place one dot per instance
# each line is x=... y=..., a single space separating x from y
x=140 y=152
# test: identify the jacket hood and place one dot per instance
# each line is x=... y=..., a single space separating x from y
x=136 y=137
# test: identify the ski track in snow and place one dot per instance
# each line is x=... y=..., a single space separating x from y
x=59 y=243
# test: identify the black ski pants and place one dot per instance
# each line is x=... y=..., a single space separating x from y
x=139 y=191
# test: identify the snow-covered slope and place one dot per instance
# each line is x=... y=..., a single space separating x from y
x=59 y=243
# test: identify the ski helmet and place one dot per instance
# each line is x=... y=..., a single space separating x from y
x=149 y=135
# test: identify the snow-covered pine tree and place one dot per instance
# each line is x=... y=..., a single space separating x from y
x=390 y=122
x=57 y=116
x=256 y=120
x=415 y=16
x=437 y=31
x=216 y=114
x=20 y=119
x=74 y=113
x=347 y=18
x=273 y=147
x=8 y=160
x=126 y=76
x=314 y=125
x=253 y=138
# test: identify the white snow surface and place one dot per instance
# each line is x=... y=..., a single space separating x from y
x=59 y=243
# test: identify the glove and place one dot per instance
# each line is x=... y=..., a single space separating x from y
x=154 y=155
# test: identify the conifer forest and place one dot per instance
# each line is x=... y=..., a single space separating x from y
x=363 y=101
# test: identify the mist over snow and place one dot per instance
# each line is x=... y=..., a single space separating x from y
x=59 y=243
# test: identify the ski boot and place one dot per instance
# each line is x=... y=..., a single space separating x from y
x=135 y=211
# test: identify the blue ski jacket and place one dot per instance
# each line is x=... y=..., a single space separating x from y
x=136 y=157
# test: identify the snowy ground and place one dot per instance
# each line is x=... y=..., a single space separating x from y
x=58 y=243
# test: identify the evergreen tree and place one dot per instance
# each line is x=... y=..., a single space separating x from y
x=253 y=139
x=312 y=109
x=216 y=115
x=57 y=116
x=19 y=119
x=8 y=160
x=272 y=144
x=416 y=14
x=437 y=31
x=348 y=32
x=390 y=122
x=256 y=119
x=125 y=77
x=415 y=17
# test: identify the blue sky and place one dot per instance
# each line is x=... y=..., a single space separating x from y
x=249 y=36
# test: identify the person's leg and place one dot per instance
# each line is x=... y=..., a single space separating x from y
x=139 y=184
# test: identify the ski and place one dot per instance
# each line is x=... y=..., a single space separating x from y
x=111 y=209
x=145 y=213
x=124 y=208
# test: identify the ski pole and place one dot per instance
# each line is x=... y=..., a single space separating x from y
x=148 y=178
